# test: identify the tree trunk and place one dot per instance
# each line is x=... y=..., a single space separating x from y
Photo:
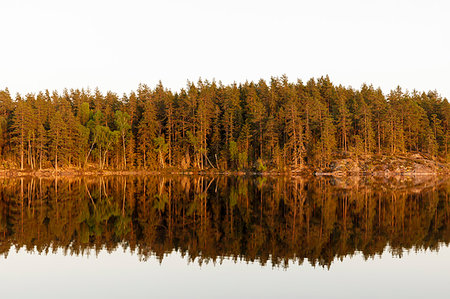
x=379 y=137
x=124 y=156
x=260 y=141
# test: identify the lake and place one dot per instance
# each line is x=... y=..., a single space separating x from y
x=224 y=237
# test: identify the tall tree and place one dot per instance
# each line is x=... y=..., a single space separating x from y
x=21 y=127
x=122 y=121
x=57 y=132
x=148 y=126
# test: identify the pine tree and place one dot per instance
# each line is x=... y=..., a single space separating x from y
x=257 y=114
x=327 y=140
x=122 y=121
x=344 y=121
x=57 y=132
x=132 y=109
x=21 y=127
x=204 y=115
x=378 y=107
x=41 y=116
x=6 y=111
x=231 y=112
x=365 y=126
x=294 y=131
x=148 y=126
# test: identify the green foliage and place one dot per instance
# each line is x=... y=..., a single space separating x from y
x=358 y=149
x=243 y=160
x=160 y=145
x=84 y=113
x=260 y=167
x=123 y=124
x=160 y=202
x=161 y=148
x=233 y=148
x=122 y=121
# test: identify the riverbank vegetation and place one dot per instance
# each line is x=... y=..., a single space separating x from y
x=277 y=125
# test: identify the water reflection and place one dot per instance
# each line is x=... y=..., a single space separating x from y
x=279 y=220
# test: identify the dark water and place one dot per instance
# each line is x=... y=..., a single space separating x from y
x=203 y=237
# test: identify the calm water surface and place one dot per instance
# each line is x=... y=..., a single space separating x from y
x=224 y=237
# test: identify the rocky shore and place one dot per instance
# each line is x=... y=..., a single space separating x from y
x=386 y=166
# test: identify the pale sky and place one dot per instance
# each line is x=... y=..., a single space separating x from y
x=115 y=45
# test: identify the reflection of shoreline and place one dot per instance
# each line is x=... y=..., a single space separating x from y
x=264 y=219
x=412 y=183
x=418 y=182
x=12 y=173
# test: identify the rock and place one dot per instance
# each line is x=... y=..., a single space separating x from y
x=388 y=166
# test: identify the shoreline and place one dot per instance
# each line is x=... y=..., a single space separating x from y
x=378 y=166
x=51 y=173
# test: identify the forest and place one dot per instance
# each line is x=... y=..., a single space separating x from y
x=276 y=125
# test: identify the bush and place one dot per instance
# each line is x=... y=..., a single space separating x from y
x=260 y=166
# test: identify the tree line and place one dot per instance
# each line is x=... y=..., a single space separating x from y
x=265 y=125
x=268 y=219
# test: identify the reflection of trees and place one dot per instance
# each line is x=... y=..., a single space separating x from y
x=277 y=219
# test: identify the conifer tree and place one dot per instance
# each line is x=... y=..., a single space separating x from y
x=122 y=121
x=57 y=132
x=257 y=113
x=6 y=111
x=231 y=112
x=131 y=104
x=148 y=126
x=21 y=127
x=294 y=131
x=344 y=121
